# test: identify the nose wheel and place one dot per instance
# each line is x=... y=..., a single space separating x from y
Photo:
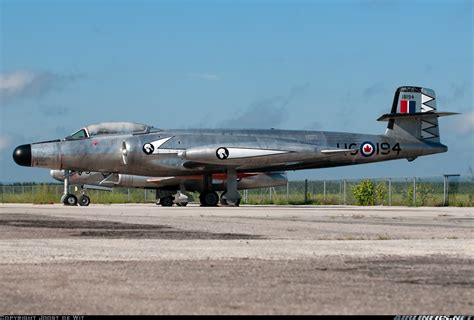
x=69 y=200
x=84 y=200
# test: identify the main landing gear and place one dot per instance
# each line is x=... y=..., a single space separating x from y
x=231 y=197
x=180 y=199
x=224 y=201
x=209 y=199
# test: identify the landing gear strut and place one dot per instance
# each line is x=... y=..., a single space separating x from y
x=68 y=199
x=231 y=197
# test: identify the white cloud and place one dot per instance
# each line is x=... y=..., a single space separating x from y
x=205 y=76
x=14 y=82
x=4 y=142
x=267 y=113
x=465 y=124
x=24 y=83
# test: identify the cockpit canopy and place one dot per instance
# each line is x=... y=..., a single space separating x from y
x=109 y=128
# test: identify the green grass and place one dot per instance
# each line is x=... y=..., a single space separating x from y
x=48 y=193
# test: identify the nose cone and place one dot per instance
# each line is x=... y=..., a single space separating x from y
x=22 y=155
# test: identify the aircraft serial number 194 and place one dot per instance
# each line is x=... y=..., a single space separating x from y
x=368 y=148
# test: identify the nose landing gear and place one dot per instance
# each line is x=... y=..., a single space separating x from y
x=68 y=199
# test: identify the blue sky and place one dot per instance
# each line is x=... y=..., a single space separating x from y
x=322 y=65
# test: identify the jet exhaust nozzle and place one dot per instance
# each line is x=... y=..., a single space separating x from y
x=22 y=155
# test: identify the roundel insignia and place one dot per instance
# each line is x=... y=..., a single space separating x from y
x=148 y=148
x=222 y=153
x=367 y=149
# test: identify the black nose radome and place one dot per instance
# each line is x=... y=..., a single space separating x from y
x=22 y=155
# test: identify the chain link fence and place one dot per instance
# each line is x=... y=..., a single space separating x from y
x=454 y=190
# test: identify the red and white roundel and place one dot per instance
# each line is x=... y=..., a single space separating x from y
x=367 y=149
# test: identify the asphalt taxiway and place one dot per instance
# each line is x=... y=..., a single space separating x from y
x=145 y=259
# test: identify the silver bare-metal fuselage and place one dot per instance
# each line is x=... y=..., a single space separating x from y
x=187 y=152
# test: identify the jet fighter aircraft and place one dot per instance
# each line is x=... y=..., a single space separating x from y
x=138 y=149
x=168 y=189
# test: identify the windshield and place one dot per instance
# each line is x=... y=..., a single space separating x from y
x=81 y=134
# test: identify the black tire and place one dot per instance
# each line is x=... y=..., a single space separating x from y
x=209 y=199
x=223 y=200
x=84 y=200
x=167 y=201
x=70 y=200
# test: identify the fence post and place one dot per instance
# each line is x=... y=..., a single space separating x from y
x=446 y=187
x=145 y=195
x=305 y=191
x=287 y=190
x=445 y=190
x=344 y=186
x=271 y=195
x=128 y=194
x=414 y=191
x=340 y=192
x=389 y=192
x=324 y=190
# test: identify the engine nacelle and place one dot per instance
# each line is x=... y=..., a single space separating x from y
x=236 y=155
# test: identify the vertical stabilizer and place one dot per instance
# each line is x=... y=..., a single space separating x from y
x=414 y=114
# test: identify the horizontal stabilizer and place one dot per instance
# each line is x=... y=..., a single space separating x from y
x=418 y=115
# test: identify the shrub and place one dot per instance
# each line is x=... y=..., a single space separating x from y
x=381 y=192
x=424 y=193
x=364 y=193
